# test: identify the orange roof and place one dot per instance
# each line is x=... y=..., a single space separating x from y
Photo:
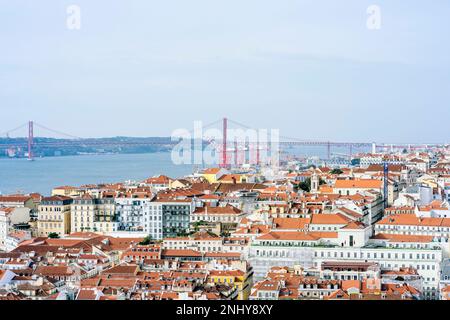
x=324 y=234
x=355 y=225
x=7 y=211
x=347 y=284
x=181 y=253
x=296 y=236
x=158 y=180
x=14 y=198
x=208 y=209
x=86 y=294
x=230 y=177
x=350 y=212
x=222 y=254
x=336 y=218
x=65 y=188
x=209 y=197
x=211 y=170
x=403 y=238
x=56 y=198
x=359 y=184
x=290 y=223
x=325 y=189
x=412 y=219
x=54 y=270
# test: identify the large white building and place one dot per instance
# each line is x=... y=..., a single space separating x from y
x=131 y=210
x=350 y=243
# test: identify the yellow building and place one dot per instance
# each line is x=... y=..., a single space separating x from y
x=212 y=175
x=54 y=216
x=179 y=184
x=238 y=279
x=66 y=191
x=234 y=178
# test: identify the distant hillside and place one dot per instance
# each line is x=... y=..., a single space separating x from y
x=48 y=147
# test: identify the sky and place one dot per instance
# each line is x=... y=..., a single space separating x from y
x=310 y=68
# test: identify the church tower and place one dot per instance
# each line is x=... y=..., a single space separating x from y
x=314 y=182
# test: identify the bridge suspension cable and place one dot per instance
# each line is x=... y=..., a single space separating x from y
x=239 y=124
x=15 y=129
x=208 y=125
x=57 y=132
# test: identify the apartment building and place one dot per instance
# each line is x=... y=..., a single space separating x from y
x=169 y=217
x=132 y=210
x=54 y=216
x=91 y=214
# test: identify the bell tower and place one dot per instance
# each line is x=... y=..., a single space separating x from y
x=314 y=182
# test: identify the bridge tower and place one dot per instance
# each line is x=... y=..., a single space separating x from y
x=257 y=151
x=236 y=154
x=385 y=183
x=224 y=163
x=30 y=140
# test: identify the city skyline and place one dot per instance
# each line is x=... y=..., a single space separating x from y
x=146 y=69
x=218 y=158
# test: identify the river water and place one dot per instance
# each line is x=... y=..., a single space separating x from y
x=41 y=175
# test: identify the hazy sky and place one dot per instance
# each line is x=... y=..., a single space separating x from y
x=310 y=68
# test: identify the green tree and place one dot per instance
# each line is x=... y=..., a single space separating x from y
x=306 y=185
x=53 y=235
x=147 y=240
x=336 y=171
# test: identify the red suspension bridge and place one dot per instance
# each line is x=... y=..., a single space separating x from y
x=30 y=143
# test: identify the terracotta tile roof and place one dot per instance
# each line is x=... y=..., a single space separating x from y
x=290 y=223
x=354 y=225
x=211 y=170
x=66 y=188
x=56 y=198
x=403 y=238
x=336 y=218
x=123 y=269
x=15 y=198
x=347 y=284
x=359 y=184
x=227 y=209
x=86 y=294
x=379 y=168
x=288 y=235
x=230 y=177
x=180 y=253
x=222 y=255
x=54 y=271
x=158 y=180
x=413 y=220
